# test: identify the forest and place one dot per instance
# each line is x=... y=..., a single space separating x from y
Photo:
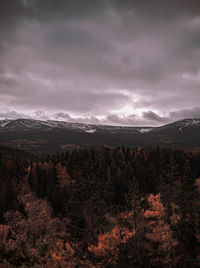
x=100 y=207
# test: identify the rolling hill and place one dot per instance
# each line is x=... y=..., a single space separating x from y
x=51 y=136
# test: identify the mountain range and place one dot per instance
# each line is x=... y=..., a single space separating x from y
x=51 y=136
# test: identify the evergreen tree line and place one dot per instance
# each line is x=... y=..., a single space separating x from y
x=118 y=207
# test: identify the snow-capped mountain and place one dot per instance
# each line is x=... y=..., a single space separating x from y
x=3 y=123
x=30 y=124
x=187 y=123
x=181 y=125
x=51 y=136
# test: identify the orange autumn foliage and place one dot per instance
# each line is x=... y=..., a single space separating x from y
x=197 y=183
x=158 y=229
x=156 y=207
x=108 y=242
x=4 y=230
x=63 y=251
x=63 y=176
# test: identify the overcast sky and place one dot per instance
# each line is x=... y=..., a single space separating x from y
x=117 y=62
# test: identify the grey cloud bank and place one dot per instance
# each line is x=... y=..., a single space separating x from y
x=114 y=62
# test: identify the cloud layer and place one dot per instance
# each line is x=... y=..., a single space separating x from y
x=115 y=62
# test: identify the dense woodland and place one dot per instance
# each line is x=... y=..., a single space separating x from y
x=100 y=207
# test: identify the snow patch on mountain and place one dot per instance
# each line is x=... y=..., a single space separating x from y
x=188 y=123
x=29 y=124
x=3 y=123
x=9 y=125
x=90 y=131
x=144 y=130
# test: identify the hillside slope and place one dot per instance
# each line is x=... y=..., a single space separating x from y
x=50 y=136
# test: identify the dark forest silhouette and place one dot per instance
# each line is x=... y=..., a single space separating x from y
x=100 y=207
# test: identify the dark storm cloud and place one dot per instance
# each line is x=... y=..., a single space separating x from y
x=155 y=117
x=146 y=119
x=93 y=59
x=67 y=117
x=185 y=113
x=122 y=120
